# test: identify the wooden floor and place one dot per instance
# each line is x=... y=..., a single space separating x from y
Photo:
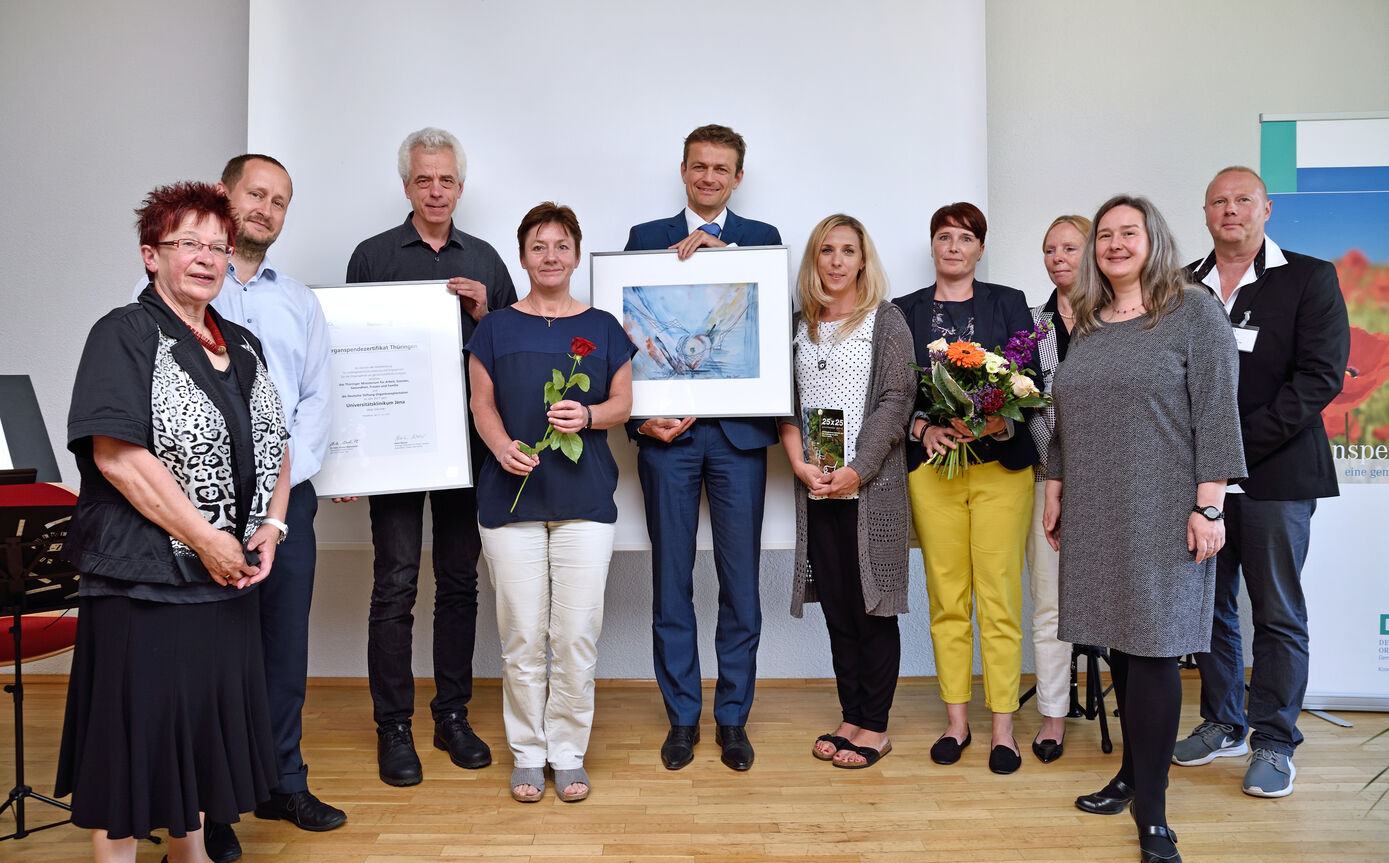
x=788 y=807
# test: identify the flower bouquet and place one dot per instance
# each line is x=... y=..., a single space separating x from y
x=569 y=443
x=968 y=383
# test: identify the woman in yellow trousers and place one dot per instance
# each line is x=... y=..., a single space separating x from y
x=972 y=527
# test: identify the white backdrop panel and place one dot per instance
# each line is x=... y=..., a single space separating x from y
x=875 y=109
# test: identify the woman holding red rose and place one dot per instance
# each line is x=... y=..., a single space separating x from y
x=548 y=544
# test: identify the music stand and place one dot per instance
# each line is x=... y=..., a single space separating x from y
x=33 y=521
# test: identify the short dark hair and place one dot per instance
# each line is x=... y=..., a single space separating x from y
x=961 y=214
x=716 y=134
x=166 y=207
x=549 y=213
x=231 y=175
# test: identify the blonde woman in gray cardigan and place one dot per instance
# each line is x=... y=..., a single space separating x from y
x=854 y=393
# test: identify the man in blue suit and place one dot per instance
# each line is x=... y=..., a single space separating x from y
x=728 y=457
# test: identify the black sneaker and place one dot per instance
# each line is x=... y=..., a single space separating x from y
x=395 y=755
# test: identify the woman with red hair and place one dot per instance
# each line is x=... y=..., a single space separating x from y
x=181 y=444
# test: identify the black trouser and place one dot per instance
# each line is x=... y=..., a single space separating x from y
x=396 y=532
x=1149 y=690
x=866 y=649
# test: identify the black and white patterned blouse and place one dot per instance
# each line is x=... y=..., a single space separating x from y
x=833 y=373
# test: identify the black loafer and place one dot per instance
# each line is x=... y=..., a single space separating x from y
x=454 y=735
x=1047 y=751
x=220 y=842
x=1003 y=760
x=303 y=810
x=678 y=750
x=1100 y=803
x=1160 y=854
x=737 y=749
x=396 y=760
x=947 y=749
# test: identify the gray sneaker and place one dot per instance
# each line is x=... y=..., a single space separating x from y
x=1270 y=774
x=1210 y=740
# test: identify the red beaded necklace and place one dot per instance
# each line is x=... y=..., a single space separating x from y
x=216 y=343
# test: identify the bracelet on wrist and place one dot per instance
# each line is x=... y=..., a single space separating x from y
x=589 y=410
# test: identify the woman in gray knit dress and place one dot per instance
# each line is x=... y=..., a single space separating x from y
x=1147 y=436
x=854 y=391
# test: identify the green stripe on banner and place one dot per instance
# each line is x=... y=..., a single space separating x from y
x=1278 y=155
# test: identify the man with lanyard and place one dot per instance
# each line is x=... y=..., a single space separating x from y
x=729 y=457
x=426 y=245
x=286 y=317
x=1294 y=339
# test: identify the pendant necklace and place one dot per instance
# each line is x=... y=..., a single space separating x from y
x=551 y=319
x=823 y=360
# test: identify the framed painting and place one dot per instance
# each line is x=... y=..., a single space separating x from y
x=713 y=332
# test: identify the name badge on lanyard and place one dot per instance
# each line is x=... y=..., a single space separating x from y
x=1245 y=335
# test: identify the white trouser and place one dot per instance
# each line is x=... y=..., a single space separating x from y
x=549 y=579
x=1051 y=656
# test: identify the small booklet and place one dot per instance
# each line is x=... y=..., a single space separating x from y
x=824 y=438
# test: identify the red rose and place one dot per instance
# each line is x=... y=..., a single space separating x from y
x=581 y=347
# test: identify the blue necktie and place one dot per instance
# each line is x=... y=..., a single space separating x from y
x=712 y=229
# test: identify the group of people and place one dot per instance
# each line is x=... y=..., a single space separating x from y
x=199 y=416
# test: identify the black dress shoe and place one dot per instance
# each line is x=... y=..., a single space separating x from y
x=301 y=809
x=1047 y=751
x=737 y=749
x=678 y=750
x=1003 y=760
x=454 y=735
x=1158 y=845
x=220 y=842
x=947 y=749
x=395 y=755
x=1101 y=803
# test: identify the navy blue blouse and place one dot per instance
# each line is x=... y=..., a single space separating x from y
x=520 y=351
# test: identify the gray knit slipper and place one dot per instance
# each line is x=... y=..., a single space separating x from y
x=534 y=776
x=565 y=778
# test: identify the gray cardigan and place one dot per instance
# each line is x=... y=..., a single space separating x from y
x=884 y=512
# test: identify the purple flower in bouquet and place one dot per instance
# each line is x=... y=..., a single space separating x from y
x=1021 y=346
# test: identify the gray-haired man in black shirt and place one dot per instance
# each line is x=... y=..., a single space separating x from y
x=427 y=246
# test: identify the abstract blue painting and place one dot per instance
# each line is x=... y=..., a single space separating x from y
x=693 y=331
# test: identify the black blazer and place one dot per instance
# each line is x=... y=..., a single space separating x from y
x=999 y=312
x=1297 y=367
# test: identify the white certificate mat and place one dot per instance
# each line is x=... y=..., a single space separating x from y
x=713 y=332
x=400 y=419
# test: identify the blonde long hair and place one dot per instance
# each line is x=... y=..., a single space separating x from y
x=873 y=286
x=1161 y=279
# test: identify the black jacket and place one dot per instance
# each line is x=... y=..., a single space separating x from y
x=1296 y=368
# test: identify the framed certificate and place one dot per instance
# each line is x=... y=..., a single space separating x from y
x=400 y=418
x=713 y=332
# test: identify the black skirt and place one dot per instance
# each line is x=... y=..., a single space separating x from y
x=166 y=715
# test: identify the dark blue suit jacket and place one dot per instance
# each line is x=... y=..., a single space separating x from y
x=999 y=312
x=743 y=433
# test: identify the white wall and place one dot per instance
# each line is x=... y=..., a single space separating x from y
x=101 y=102
x=1089 y=98
x=1068 y=125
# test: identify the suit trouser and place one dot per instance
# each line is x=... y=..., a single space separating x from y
x=972 y=531
x=736 y=481
x=397 y=523
x=549 y=578
x=285 y=598
x=1050 y=654
x=1267 y=541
